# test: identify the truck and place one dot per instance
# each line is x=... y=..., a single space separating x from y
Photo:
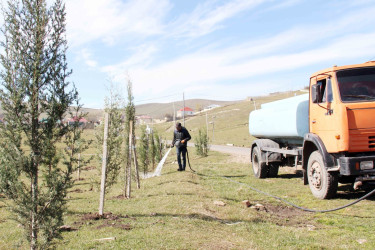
x=330 y=131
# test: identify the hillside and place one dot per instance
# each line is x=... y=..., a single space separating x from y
x=158 y=110
x=227 y=124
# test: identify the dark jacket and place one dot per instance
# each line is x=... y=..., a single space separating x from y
x=181 y=135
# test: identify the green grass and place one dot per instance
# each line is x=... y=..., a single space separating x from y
x=231 y=121
x=177 y=211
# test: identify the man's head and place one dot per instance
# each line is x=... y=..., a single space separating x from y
x=178 y=126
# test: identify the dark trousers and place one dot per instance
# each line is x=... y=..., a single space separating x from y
x=181 y=150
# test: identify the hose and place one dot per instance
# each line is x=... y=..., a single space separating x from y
x=299 y=207
x=187 y=152
x=290 y=203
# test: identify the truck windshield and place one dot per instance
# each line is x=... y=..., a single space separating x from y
x=357 y=85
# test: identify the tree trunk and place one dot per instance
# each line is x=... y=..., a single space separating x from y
x=34 y=211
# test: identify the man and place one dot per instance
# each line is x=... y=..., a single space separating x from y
x=180 y=138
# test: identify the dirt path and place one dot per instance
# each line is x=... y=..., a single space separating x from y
x=240 y=154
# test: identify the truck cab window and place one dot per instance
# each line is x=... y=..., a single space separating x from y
x=322 y=86
x=357 y=85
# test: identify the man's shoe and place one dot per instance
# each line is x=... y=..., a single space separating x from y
x=179 y=169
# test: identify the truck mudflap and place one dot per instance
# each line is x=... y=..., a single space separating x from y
x=266 y=156
x=358 y=165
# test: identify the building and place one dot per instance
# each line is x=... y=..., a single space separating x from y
x=188 y=111
x=212 y=106
x=143 y=119
x=82 y=121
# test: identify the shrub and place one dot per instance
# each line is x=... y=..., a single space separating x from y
x=202 y=143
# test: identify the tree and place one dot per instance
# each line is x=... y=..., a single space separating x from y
x=130 y=118
x=114 y=104
x=202 y=143
x=152 y=149
x=35 y=173
x=143 y=149
x=159 y=146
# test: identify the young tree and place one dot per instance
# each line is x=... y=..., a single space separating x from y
x=159 y=146
x=152 y=149
x=114 y=104
x=34 y=172
x=143 y=149
x=130 y=118
x=202 y=143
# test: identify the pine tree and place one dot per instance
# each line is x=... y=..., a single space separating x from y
x=159 y=145
x=143 y=151
x=34 y=172
x=130 y=118
x=152 y=149
x=202 y=143
x=114 y=107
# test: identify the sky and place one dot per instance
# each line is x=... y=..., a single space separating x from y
x=211 y=49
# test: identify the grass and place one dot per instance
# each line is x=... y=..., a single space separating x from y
x=230 y=121
x=177 y=211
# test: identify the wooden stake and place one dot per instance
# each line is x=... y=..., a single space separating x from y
x=129 y=163
x=79 y=167
x=136 y=164
x=104 y=166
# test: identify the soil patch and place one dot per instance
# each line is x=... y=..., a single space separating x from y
x=119 y=197
x=285 y=216
x=105 y=216
x=114 y=224
x=88 y=168
x=77 y=191
x=108 y=219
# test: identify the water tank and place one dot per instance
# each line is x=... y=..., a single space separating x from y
x=285 y=121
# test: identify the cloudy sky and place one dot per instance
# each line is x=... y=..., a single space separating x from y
x=212 y=49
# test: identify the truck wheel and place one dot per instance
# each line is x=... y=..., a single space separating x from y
x=322 y=183
x=260 y=168
x=273 y=169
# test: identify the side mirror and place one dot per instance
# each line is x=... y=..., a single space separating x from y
x=316 y=96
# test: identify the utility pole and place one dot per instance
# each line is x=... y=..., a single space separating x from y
x=206 y=123
x=183 y=111
x=174 y=114
x=213 y=128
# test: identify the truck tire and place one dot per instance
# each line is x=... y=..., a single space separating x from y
x=322 y=183
x=260 y=168
x=273 y=169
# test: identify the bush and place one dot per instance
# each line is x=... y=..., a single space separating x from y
x=202 y=143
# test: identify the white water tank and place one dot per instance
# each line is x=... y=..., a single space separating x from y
x=285 y=120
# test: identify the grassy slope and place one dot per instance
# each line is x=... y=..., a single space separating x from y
x=177 y=210
x=231 y=121
x=158 y=110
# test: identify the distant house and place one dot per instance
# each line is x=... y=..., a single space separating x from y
x=143 y=119
x=188 y=111
x=81 y=121
x=212 y=106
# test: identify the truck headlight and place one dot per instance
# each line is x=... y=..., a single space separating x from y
x=365 y=165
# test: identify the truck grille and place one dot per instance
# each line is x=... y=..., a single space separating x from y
x=371 y=141
x=361 y=140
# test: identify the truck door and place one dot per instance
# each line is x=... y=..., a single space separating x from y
x=323 y=118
